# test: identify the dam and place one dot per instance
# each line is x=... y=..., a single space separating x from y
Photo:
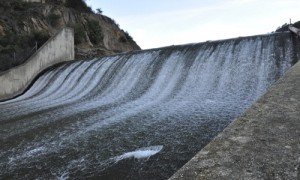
x=138 y=115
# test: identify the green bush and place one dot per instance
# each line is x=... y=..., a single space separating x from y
x=79 y=33
x=4 y=5
x=128 y=36
x=122 y=39
x=40 y=37
x=6 y=39
x=99 y=11
x=19 y=5
x=16 y=48
x=95 y=32
x=23 y=40
x=10 y=49
x=5 y=62
x=79 y=5
x=53 y=19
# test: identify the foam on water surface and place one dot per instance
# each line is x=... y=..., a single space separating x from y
x=141 y=153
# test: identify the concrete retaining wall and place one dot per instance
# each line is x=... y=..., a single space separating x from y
x=264 y=143
x=57 y=49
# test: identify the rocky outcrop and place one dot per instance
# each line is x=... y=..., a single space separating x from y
x=112 y=40
x=95 y=34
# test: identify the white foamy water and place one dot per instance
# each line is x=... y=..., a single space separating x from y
x=141 y=153
x=86 y=119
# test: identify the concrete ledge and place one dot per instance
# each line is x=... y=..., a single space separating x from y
x=294 y=30
x=57 y=49
x=264 y=143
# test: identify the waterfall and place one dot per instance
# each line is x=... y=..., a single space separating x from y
x=76 y=117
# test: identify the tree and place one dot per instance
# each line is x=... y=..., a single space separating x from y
x=99 y=11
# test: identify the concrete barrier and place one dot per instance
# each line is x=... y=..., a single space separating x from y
x=263 y=143
x=57 y=49
x=294 y=30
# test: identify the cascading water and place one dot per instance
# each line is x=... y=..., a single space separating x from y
x=138 y=115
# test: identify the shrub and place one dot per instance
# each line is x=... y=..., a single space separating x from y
x=53 y=19
x=79 y=5
x=128 y=36
x=5 y=62
x=95 y=32
x=10 y=49
x=79 y=33
x=4 y=5
x=39 y=37
x=16 y=48
x=122 y=39
x=19 y=5
x=99 y=11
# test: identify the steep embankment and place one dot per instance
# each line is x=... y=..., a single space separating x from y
x=22 y=24
x=138 y=115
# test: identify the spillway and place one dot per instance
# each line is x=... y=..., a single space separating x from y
x=139 y=115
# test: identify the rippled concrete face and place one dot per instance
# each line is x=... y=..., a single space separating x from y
x=136 y=116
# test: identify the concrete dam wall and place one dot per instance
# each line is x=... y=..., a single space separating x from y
x=57 y=49
x=139 y=115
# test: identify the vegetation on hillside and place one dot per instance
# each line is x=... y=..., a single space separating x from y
x=95 y=32
x=16 y=48
x=15 y=5
x=79 y=33
x=23 y=24
x=285 y=27
x=79 y=5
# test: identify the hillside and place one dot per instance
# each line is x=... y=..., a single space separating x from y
x=25 y=24
x=285 y=27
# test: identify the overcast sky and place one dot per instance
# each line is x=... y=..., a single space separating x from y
x=157 y=23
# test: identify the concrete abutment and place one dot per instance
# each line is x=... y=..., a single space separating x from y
x=57 y=49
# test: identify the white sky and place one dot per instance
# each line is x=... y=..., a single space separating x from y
x=157 y=23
